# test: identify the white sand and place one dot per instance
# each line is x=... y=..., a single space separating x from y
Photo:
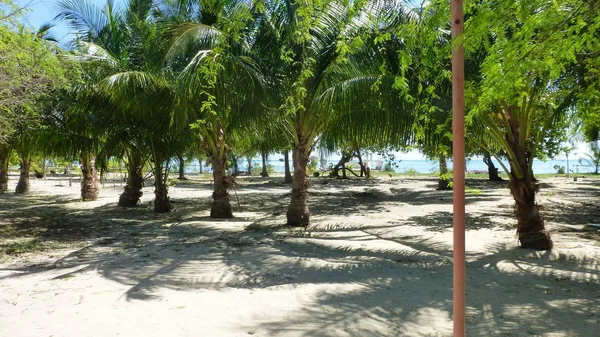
x=376 y=261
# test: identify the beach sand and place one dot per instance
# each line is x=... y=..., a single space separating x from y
x=375 y=261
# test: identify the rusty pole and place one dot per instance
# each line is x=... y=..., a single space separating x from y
x=458 y=167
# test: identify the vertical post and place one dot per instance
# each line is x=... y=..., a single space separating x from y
x=458 y=153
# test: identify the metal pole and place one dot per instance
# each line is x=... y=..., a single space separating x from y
x=458 y=153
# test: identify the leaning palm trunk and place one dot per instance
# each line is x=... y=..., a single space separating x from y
x=23 y=184
x=530 y=223
x=492 y=170
x=135 y=181
x=364 y=171
x=443 y=181
x=221 y=208
x=4 y=155
x=89 y=180
x=298 y=213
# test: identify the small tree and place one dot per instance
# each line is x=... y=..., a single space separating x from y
x=524 y=98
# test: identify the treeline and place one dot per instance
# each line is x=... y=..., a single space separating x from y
x=149 y=81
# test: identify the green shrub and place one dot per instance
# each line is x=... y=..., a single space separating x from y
x=313 y=164
x=388 y=167
x=411 y=172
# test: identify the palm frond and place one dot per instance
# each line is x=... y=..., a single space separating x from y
x=83 y=16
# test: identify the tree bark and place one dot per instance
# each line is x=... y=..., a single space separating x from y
x=4 y=157
x=89 y=180
x=234 y=166
x=249 y=173
x=531 y=227
x=341 y=165
x=298 y=214
x=265 y=172
x=181 y=168
x=23 y=184
x=443 y=181
x=363 y=168
x=135 y=182
x=288 y=175
x=492 y=170
x=162 y=203
x=221 y=208
x=530 y=222
x=43 y=168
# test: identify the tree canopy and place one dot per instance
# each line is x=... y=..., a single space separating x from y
x=149 y=80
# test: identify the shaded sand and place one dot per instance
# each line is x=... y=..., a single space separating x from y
x=376 y=261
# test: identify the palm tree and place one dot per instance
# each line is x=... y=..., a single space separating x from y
x=128 y=48
x=592 y=158
x=73 y=129
x=219 y=87
x=330 y=87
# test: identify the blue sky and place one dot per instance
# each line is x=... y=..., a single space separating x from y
x=43 y=11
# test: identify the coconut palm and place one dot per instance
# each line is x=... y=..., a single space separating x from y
x=592 y=158
x=126 y=46
x=219 y=86
x=334 y=84
x=73 y=129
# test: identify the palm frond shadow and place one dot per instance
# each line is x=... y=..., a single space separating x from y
x=363 y=280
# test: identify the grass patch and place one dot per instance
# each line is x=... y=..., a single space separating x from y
x=473 y=191
x=16 y=248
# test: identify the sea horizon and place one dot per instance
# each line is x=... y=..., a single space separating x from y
x=422 y=166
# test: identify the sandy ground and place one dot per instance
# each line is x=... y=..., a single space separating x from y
x=376 y=261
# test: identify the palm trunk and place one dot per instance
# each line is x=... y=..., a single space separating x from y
x=89 y=180
x=221 y=208
x=288 y=175
x=265 y=172
x=363 y=169
x=443 y=181
x=162 y=202
x=135 y=181
x=341 y=165
x=4 y=156
x=531 y=228
x=181 y=168
x=43 y=168
x=235 y=168
x=492 y=170
x=249 y=159
x=530 y=223
x=298 y=213
x=23 y=184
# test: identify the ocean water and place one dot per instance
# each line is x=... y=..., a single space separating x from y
x=425 y=166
